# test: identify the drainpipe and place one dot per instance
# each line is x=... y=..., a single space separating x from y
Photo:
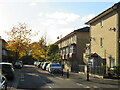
x=118 y=35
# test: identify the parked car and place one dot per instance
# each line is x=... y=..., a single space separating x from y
x=18 y=64
x=54 y=68
x=41 y=64
x=3 y=83
x=44 y=65
x=36 y=63
x=7 y=70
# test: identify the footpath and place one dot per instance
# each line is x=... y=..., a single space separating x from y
x=81 y=79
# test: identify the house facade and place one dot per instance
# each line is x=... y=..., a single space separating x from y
x=72 y=48
x=105 y=38
x=3 y=51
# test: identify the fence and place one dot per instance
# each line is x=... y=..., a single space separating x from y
x=82 y=68
x=97 y=70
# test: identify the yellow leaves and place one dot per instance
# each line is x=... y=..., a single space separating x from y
x=19 y=39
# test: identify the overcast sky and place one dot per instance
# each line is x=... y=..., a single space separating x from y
x=52 y=19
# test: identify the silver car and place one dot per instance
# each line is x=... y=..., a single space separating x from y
x=54 y=68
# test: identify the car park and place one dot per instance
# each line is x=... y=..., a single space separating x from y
x=3 y=83
x=54 y=68
x=7 y=70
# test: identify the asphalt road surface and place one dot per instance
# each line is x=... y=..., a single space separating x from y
x=30 y=77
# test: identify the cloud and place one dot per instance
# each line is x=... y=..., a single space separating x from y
x=88 y=17
x=58 y=18
x=57 y=23
x=33 y=4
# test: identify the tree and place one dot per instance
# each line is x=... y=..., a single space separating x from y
x=39 y=49
x=53 y=52
x=19 y=40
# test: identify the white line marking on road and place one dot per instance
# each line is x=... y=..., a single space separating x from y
x=95 y=86
x=50 y=87
x=87 y=87
x=79 y=84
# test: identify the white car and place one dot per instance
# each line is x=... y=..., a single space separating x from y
x=45 y=65
x=54 y=68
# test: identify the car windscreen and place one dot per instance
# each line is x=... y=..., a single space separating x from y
x=6 y=67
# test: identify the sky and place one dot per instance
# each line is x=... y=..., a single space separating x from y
x=49 y=18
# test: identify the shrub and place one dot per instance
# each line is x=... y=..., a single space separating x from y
x=117 y=70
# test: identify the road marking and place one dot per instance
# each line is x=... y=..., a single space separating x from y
x=32 y=74
x=87 y=87
x=95 y=86
x=50 y=87
x=79 y=84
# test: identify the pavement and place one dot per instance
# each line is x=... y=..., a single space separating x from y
x=81 y=79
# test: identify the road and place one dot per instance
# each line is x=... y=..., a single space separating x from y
x=31 y=77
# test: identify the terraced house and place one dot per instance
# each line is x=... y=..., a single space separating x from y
x=3 y=51
x=105 y=38
x=72 y=48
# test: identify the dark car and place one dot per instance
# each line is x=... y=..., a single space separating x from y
x=18 y=64
x=3 y=83
x=7 y=70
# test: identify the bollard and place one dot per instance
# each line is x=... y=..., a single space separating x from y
x=87 y=73
x=67 y=73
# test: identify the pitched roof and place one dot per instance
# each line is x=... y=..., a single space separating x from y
x=84 y=29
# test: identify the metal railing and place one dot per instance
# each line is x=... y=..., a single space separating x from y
x=97 y=70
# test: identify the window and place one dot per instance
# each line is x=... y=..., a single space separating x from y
x=72 y=49
x=64 y=51
x=101 y=42
x=61 y=52
x=111 y=62
x=67 y=50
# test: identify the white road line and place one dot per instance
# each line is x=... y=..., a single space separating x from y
x=50 y=87
x=79 y=84
x=95 y=86
x=87 y=87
